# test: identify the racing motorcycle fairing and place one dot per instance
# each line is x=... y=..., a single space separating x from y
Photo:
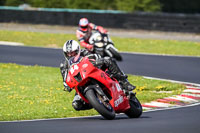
x=83 y=74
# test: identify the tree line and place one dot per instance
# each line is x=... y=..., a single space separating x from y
x=172 y=6
x=124 y=5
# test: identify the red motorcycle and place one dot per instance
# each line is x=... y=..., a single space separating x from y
x=101 y=91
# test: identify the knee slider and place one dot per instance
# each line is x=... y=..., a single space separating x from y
x=77 y=105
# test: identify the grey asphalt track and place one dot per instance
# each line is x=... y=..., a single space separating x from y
x=185 y=69
x=182 y=120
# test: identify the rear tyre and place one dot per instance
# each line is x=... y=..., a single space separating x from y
x=135 y=110
x=105 y=109
x=116 y=54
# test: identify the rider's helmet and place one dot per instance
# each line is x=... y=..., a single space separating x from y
x=71 y=49
x=83 y=24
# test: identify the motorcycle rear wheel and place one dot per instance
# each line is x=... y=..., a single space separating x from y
x=105 y=109
x=135 y=110
x=116 y=54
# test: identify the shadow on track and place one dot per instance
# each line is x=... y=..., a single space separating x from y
x=118 y=117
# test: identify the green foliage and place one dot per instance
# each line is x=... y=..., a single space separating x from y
x=138 y=5
x=88 y=4
x=125 y=5
x=183 y=6
x=15 y=2
x=49 y=3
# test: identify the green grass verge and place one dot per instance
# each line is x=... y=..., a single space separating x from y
x=35 y=92
x=123 y=44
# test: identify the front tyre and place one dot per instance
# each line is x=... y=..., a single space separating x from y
x=135 y=110
x=105 y=109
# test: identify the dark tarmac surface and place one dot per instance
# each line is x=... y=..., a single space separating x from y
x=181 y=120
x=185 y=69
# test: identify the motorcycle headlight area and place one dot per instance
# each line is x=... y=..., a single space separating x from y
x=99 y=38
x=99 y=44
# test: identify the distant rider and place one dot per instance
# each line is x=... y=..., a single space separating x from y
x=85 y=31
x=73 y=54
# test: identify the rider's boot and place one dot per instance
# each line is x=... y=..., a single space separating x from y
x=123 y=81
x=119 y=75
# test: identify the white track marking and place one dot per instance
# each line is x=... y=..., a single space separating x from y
x=159 y=104
x=173 y=81
x=184 y=99
x=192 y=91
x=176 y=107
x=146 y=108
x=193 y=87
x=11 y=43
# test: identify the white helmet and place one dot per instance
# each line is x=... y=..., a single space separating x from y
x=71 y=48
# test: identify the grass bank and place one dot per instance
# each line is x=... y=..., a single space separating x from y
x=123 y=44
x=35 y=92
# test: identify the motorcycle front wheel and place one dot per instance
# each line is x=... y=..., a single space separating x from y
x=135 y=110
x=102 y=107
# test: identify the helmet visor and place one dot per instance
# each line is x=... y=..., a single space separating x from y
x=84 y=28
x=74 y=54
x=71 y=54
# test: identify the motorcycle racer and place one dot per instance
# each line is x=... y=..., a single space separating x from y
x=85 y=30
x=73 y=53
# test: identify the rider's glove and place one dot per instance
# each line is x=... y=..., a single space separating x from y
x=102 y=30
x=89 y=47
x=99 y=62
x=66 y=87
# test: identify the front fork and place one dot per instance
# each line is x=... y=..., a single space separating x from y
x=98 y=90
